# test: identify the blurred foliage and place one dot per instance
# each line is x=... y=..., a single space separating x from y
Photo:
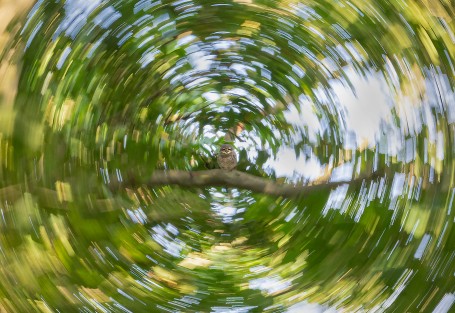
x=115 y=88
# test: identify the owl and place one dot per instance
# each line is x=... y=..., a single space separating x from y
x=227 y=158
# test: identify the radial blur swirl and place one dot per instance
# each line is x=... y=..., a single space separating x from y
x=353 y=99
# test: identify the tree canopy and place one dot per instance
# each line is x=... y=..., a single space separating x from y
x=110 y=196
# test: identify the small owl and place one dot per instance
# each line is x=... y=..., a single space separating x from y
x=227 y=158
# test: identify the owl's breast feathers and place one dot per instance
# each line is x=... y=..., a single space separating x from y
x=227 y=161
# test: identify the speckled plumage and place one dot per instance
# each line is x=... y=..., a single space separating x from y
x=227 y=158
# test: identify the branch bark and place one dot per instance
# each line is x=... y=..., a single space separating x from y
x=50 y=199
x=236 y=179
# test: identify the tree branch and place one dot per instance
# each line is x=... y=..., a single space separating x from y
x=236 y=179
x=49 y=198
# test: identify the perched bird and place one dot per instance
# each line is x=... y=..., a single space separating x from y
x=227 y=158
